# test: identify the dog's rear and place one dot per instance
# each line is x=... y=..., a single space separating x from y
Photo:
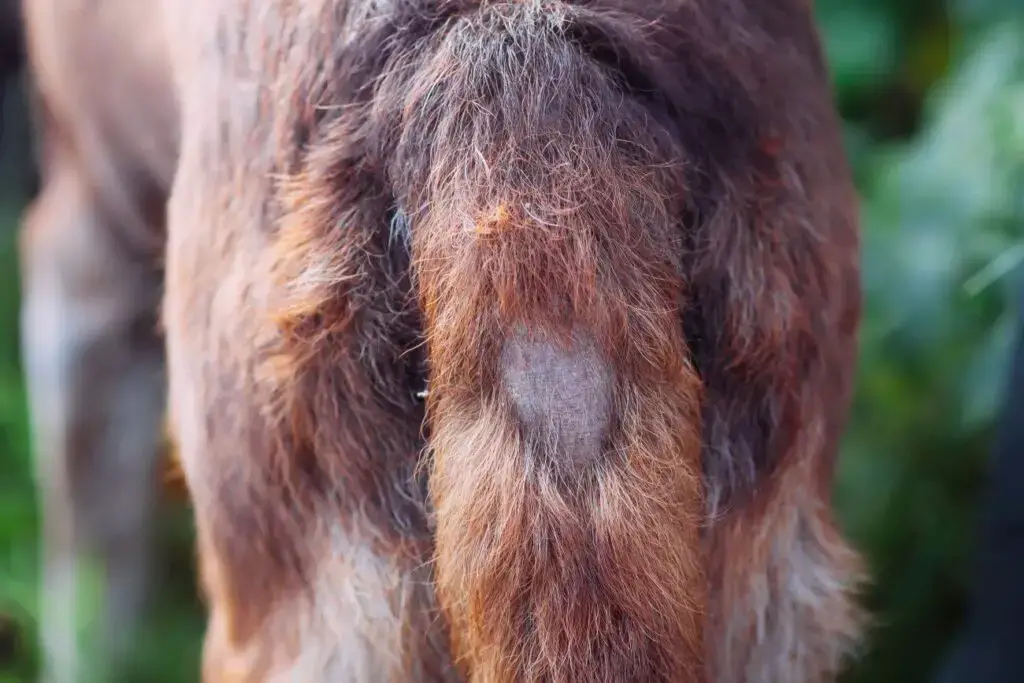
x=634 y=243
x=627 y=234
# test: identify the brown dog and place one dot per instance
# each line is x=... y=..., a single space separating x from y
x=612 y=243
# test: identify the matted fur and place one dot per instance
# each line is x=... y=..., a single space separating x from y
x=375 y=199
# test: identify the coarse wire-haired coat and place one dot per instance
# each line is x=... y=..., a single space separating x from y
x=506 y=340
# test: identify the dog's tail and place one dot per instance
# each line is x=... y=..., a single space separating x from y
x=563 y=411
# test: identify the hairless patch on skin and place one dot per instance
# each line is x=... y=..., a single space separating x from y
x=562 y=393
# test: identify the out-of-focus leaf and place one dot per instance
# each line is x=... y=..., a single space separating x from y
x=859 y=43
x=984 y=376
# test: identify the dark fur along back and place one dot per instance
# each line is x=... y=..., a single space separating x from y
x=642 y=208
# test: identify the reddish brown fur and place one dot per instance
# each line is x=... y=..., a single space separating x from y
x=377 y=199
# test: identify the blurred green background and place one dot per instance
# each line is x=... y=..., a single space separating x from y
x=932 y=93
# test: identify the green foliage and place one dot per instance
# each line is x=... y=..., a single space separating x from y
x=18 y=529
x=932 y=95
x=942 y=230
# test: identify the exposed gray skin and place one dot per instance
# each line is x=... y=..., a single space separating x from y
x=563 y=395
